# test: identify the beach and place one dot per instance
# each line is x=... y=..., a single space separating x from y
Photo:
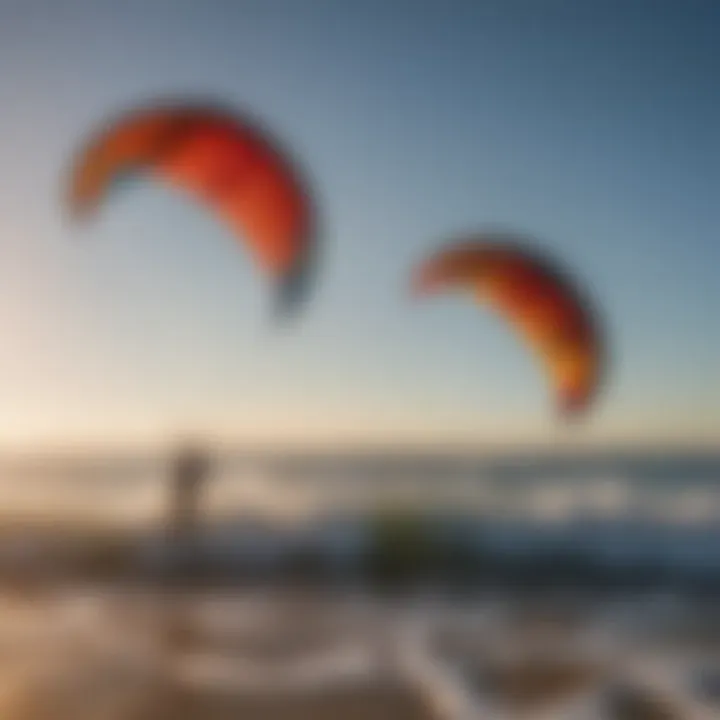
x=104 y=654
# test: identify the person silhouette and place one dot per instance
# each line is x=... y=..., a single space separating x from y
x=189 y=470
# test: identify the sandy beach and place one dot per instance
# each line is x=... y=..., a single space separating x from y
x=106 y=656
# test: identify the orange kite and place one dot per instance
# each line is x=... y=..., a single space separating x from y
x=536 y=298
x=222 y=158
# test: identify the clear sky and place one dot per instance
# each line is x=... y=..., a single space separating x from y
x=592 y=125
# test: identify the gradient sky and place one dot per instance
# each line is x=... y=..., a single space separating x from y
x=592 y=125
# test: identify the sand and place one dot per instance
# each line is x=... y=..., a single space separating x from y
x=84 y=655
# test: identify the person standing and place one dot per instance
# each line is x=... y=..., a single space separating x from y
x=189 y=471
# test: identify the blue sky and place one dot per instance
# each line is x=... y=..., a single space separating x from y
x=592 y=125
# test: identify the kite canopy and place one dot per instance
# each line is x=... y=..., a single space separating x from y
x=224 y=160
x=536 y=298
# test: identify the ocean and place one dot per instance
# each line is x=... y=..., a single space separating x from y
x=621 y=508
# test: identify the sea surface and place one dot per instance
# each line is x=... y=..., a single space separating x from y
x=625 y=506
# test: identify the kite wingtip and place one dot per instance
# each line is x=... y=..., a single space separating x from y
x=573 y=408
x=291 y=294
x=421 y=284
x=294 y=286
